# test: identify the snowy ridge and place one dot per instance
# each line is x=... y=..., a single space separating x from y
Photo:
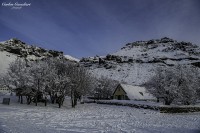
x=136 y=62
x=30 y=52
x=164 y=50
x=15 y=48
x=71 y=58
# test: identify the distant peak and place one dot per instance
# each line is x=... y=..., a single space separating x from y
x=152 y=41
x=166 y=39
x=15 y=41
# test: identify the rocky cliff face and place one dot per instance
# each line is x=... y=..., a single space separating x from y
x=21 y=49
x=136 y=62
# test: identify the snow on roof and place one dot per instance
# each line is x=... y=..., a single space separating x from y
x=136 y=92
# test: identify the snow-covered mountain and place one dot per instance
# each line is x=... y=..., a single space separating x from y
x=136 y=62
x=14 y=48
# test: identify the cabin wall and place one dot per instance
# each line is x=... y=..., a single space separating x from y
x=120 y=94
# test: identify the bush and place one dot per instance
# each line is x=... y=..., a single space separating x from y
x=179 y=109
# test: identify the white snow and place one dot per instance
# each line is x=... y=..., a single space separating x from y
x=5 y=59
x=142 y=69
x=32 y=57
x=2 y=42
x=71 y=58
x=136 y=92
x=22 y=118
x=137 y=51
x=133 y=73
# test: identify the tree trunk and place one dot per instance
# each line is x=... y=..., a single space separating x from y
x=59 y=101
x=45 y=102
x=21 y=99
x=59 y=104
x=72 y=102
x=75 y=101
x=27 y=99
x=167 y=102
x=158 y=100
x=36 y=100
x=63 y=100
x=52 y=96
x=72 y=99
x=52 y=99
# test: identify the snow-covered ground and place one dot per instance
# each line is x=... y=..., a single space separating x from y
x=22 y=118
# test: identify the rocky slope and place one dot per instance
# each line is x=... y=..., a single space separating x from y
x=30 y=52
x=14 y=48
x=133 y=64
x=136 y=62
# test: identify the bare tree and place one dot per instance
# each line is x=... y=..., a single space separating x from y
x=155 y=84
x=163 y=85
x=18 y=78
x=104 y=88
x=62 y=80
x=187 y=84
x=38 y=73
x=179 y=83
x=54 y=77
x=80 y=82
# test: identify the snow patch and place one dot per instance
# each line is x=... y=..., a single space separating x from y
x=5 y=60
x=71 y=58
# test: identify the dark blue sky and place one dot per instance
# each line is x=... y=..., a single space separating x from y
x=97 y=27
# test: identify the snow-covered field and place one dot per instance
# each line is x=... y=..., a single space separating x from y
x=22 y=118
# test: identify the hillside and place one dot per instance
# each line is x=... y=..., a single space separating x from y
x=133 y=64
x=136 y=62
x=15 y=48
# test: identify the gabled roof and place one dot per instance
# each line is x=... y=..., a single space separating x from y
x=117 y=88
x=136 y=92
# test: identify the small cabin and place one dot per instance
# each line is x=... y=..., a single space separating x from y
x=130 y=92
x=4 y=89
